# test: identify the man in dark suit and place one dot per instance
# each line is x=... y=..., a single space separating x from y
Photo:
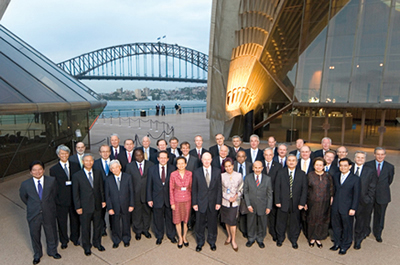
x=330 y=166
x=173 y=149
x=290 y=198
x=218 y=161
x=192 y=163
x=341 y=152
x=258 y=196
x=120 y=202
x=88 y=194
x=62 y=171
x=236 y=142
x=150 y=153
x=206 y=201
x=282 y=152
x=39 y=195
x=214 y=150
x=127 y=156
x=326 y=143
x=162 y=146
x=198 y=151
x=103 y=166
x=158 y=197
x=271 y=169
x=368 y=185
x=344 y=206
x=305 y=161
x=299 y=145
x=244 y=168
x=254 y=153
x=272 y=145
x=385 y=172
x=117 y=150
x=80 y=151
x=141 y=215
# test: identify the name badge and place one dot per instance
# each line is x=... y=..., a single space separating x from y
x=68 y=183
x=228 y=191
x=183 y=188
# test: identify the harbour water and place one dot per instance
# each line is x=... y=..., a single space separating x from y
x=117 y=108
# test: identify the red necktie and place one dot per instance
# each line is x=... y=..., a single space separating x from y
x=116 y=153
x=140 y=169
x=163 y=174
x=257 y=181
x=379 y=169
x=199 y=154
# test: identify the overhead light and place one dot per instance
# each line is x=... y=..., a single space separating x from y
x=331 y=67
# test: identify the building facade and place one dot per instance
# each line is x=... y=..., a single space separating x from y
x=306 y=68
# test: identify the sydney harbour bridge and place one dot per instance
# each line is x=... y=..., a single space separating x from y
x=140 y=61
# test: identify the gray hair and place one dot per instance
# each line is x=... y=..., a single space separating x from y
x=64 y=148
x=379 y=148
x=279 y=145
x=114 y=134
x=87 y=154
x=326 y=138
x=360 y=152
x=236 y=137
x=226 y=148
x=292 y=155
x=115 y=161
x=268 y=148
x=256 y=136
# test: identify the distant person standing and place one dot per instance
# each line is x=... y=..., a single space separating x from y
x=162 y=110
x=180 y=108
x=157 y=109
x=39 y=195
x=176 y=108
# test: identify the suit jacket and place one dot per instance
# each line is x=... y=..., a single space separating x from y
x=319 y=153
x=260 y=198
x=333 y=169
x=215 y=162
x=75 y=159
x=139 y=181
x=282 y=189
x=248 y=166
x=119 y=200
x=152 y=154
x=294 y=152
x=35 y=206
x=169 y=151
x=193 y=152
x=382 y=194
x=156 y=191
x=369 y=180
x=98 y=165
x=277 y=158
x=259 y=156
x=86 y=197
x=347 y=195
x=192 y=163
x=310 y=166
x=214 y=151
x=123 y=159
x=120 y=154
x=273 y=171
x=204 y=196
x=171 y=159
x=64 y=191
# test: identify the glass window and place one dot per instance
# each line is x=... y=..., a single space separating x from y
x=9 y=95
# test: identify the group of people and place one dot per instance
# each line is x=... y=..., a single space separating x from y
x=185 y=189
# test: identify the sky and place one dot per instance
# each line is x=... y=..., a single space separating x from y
x=63 y=29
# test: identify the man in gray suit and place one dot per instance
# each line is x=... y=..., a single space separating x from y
x=258 y=196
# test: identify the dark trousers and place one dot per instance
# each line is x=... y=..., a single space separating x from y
x=282 y=218
x=209 y=219
x=379 y=218
x=86 y=220
x=141 y=218
x=363 y=221
x=163 y=217
x=272 y=222
x=121 y=228
x=256 y=227
x=342 y=225
x=50 y=231
x=242 y=224
x=74 y=223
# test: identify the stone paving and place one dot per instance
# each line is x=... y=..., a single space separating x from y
x=16 y=248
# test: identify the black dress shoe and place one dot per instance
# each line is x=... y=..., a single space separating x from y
x=357 y=246
x=213 y=247
x=88 y=252
x=126 y=244
x=278 y=243
x=138 y=236
x=76 y=243
x=115 y=245
x=173 y=240
x=319 y=245
x=379 y=239
x=295 y=246
x=274 y=239
x=342 y=251
x=146 y=234
x=56 y=256
x=198 y=248
x=100 y=248
x=311 y=244
x=334 y=247
x=159 y=241
x=36 y=261
x=261 y=244
x=64 y=246
x=180 y=246
x=186 y=244
x=104 y=233
x=249 y=243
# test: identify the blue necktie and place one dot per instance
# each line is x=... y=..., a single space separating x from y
x=107 y=169
x=90 y=179
x=40 y=190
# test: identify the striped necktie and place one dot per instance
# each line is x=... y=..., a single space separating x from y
x=291 y=184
